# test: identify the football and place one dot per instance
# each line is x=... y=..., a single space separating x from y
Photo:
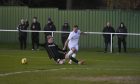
x=24 y=61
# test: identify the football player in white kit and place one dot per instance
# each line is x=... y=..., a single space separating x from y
x=72 y=42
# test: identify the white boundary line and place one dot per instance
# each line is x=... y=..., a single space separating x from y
x=33 y=71
x=20 y=72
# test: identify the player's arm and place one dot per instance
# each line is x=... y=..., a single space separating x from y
x=42 y=45
x=66 y=43
x=59 y=49
x=82 y=33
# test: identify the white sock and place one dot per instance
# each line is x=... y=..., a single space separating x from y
x=69 y=54
x=70 y=62
x=73 y=55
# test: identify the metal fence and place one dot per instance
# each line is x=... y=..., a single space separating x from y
x=87 y=20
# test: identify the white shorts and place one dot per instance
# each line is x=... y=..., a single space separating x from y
x=76 y=47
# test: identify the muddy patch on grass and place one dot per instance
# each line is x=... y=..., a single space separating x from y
x=116 y=79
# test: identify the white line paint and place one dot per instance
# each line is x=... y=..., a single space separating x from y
x=33 y=71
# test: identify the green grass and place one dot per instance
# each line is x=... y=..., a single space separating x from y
x=100 y=68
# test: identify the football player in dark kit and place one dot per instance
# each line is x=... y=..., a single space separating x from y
x=22 y=35
x=56 y=53
x=107 y=37
x=35 y=26
x=121 y=38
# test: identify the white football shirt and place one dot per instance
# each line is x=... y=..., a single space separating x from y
x=74 y=39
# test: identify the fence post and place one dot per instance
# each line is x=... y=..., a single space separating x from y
x=111 y=43
x=52 y=33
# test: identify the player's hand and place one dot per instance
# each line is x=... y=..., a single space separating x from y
x=64 y=48
x=65 y=52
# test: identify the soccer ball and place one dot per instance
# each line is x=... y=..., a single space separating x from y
x=24 y=61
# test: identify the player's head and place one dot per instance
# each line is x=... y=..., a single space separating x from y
x=50 y=39
x=22 y=21
x=75 y=28
x=34 y=19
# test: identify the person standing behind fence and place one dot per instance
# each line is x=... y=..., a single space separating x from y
x=26 y=26
x=22 y=35
x=26 y=23
x=49 y=27
x=64 y=36
x=121 y=38
x=107 y=37
x=35 y=26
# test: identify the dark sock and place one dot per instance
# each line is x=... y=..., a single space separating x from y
x=74 y=60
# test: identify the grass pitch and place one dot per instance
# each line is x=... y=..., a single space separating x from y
x=100 y=68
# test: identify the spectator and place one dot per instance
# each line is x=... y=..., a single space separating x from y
x=64 y=36
x=26 y=23
x=121 y=38
x=22 y=35
x=107 y=37
x=35 y=26
x=49 y=27
x=26 y=26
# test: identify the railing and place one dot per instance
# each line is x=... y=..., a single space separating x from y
x=136 y=34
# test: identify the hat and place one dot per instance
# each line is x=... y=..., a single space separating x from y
x=35 y=17
x=49 y=19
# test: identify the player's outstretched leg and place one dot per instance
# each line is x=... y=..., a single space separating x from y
x=74 y=56
x=76 y=61
x=72 y=53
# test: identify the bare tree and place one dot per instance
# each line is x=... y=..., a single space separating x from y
x=122 y=4
x=12 y=2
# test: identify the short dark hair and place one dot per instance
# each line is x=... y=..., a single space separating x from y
x=75 y=26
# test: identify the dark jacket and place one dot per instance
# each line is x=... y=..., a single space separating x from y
x=26 y=24
x=121 y=30
x=65 y=29
x=22 y=27
x=37 y=27
x=108 y=30
x=49 y=27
